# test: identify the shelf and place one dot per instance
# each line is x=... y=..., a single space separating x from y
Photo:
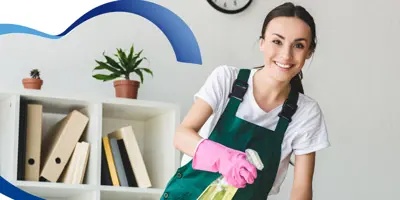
x=57 y=190
x=120 y=108
x=56 y=105
x=128 y=193
x=153 y=124
x=4 y=96
x=70 y=191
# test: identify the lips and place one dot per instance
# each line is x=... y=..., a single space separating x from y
x=284 y=66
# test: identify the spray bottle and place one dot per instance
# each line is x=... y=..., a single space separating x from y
x=220 y=189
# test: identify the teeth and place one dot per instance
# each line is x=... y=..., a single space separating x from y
x=282 y=65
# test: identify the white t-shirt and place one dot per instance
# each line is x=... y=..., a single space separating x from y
x=306 y=133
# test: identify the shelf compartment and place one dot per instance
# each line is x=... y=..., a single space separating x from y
x=153 y=125
x=54 y=110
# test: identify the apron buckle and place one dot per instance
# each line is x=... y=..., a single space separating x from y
x=239 y=89
x=287 y=111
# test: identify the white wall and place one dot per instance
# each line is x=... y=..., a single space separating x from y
x=353 y=76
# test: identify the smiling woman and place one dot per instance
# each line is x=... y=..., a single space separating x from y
x=287 y=42
x=263 y=109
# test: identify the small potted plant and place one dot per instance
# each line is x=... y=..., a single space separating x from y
x=121 y=70
x=34 y=82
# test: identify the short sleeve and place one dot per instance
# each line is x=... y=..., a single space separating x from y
x=215 y=87
x=313 y=135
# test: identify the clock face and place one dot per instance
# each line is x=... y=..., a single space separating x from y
x=230 y=6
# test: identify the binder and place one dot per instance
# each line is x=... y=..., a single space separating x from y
x=81 y=163
x=118 y=162
x=61 y=143
x=110 y=161
x=105 y=171
x=33 y=142
x=67 y=174
x=75 y=170
x=22 y=139
x=127 y=165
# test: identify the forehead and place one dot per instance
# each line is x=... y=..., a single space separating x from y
x=290 y=27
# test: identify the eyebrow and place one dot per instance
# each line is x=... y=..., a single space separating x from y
x=296 y=40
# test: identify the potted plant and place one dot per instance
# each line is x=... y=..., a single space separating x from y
x=34 y=82
x=120 y=71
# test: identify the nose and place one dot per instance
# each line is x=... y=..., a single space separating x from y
x=286 y=52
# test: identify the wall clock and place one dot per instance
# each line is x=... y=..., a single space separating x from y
x=230 y=6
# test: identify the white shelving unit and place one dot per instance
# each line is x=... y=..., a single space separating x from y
x=153 y=123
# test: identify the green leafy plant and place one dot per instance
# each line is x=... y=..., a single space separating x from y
x=35 y=73
x=123 y=67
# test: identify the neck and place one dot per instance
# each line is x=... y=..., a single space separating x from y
x=269 y=90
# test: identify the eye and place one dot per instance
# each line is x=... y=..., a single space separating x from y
x=277 y=42
x=299 y=45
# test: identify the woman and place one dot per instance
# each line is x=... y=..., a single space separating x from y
x=263 y=109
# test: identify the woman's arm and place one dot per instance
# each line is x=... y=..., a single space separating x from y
x=186 y=136
x=303 y=177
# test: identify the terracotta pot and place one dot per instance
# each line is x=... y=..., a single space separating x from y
x=126 y=88
x=32 y=83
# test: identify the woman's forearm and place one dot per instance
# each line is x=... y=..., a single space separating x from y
x=303 y=177
x=186 y=135
x=186 y=140
x=301 y=193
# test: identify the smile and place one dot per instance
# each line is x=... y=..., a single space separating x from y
x=283 y=65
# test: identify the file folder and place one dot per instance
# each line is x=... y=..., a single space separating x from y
x=33 y=142
x=63 y=138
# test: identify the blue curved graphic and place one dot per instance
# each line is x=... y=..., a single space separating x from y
x=174 y=28
x=13 y=192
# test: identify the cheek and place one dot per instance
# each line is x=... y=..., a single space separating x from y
x=300 y=55
x=270 y=50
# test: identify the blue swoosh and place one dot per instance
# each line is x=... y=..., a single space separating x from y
x=13 y=192
x=174 y=28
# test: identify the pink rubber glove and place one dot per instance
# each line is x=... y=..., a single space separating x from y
x=232 y=164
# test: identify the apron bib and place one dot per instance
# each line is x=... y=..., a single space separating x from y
x=236 y=133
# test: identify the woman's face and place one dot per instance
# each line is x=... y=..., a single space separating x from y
x=285 y=46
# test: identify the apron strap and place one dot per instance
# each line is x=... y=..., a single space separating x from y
x=238 y=91
x=240 y=85
x=288 y=110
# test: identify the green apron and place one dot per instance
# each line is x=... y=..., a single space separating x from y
x=236 y=133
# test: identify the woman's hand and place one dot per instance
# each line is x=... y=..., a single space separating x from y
x=232 y=164
x=303 y=177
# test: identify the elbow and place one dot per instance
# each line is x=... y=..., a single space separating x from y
x=177 y=138
x=176 y=143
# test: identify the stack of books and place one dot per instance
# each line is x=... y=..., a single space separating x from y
x=122 y=161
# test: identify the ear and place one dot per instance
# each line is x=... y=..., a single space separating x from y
x=262 y=44
x=309 y=54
